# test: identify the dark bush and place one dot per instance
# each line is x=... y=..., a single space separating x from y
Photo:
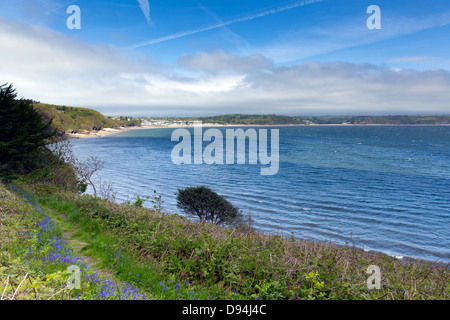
x=207 y=205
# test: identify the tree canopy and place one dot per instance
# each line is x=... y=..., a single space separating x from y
x=23 y=133
x=207 y=205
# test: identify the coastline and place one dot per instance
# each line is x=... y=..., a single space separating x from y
x=102 y=132
x=109 y=131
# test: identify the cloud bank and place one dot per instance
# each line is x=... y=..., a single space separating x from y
x=219 y=61
x=55 y=68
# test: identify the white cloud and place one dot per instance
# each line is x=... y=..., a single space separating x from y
x=418 y=59
x=55 y=68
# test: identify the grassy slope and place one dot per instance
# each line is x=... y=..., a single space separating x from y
x=144 y=247
x=34 y=257
x=73 y=119
x=36 y=254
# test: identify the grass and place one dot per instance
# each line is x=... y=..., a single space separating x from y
x=34 y=258
x=169 y=257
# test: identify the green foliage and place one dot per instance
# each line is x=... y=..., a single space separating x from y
x=23 y=134
x=156 y=200
x=138 y=203
x=75 y=120
x=60 y=174
x=29 y=148
x=157 y=203
x=272 y=119
x=22 y=279
x=255 y=119
x=207 y=205
x=20 y=282
x=34 y=259
x=316 y=286
x=385 y=120
x=236 y=265
x=167 y=255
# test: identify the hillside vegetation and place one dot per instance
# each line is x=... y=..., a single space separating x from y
x=167 y=256
x=394 y=119
x=77 y=120
x=273 y=119
x=270 y=119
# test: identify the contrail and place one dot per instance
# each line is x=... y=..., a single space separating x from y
x=224 y=23
x=145 y=7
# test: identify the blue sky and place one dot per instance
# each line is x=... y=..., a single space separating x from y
x=142 y=57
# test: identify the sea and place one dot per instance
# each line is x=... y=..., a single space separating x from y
x=379 y=188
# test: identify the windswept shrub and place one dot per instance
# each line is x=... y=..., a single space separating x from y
x=207 y=205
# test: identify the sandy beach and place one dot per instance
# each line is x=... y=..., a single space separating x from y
x=108 y=131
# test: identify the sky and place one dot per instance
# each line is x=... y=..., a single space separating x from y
x=193 y=58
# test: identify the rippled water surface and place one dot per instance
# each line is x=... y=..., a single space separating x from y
x=386 y=188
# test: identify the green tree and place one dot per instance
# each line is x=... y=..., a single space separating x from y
x=207 y=205
x=23 y=134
